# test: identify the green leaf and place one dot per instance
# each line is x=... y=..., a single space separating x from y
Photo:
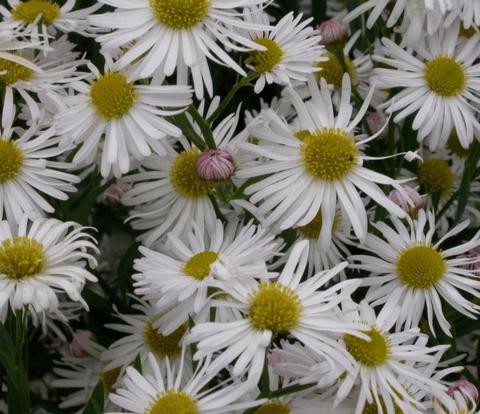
x=17 y=379
x=97 y=401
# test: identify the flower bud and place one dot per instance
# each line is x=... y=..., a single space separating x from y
x=115 y=191
x=376 y=121
x=333 y=32
x=400 y=200
x=216 y=164
x=473 y=263
x=77 y=346
x=465 y=395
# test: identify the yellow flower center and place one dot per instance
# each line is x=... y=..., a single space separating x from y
x=421 y=267
x=28 y=11
x=445 y=76
x=371 y=354
x=184 y=177
x=373 y=408
x=273 y=407
x=12 y=72
x=329 y=154
x=21 y=258
x=109 y=378
x=468 y=32
x=173 y=402
x=112 y=95
x=11 y=160
x=455 y=147
x=265 y=60
x=180 y=14
x=198 y=266
x=435 y=176
x=160 y=345
x=274 y=307
x=312 y=230
x=332 y=70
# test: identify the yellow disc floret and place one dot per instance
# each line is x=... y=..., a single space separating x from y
x=29 y=11
x=21 y=258
x=112 y=95
x=329 y=154
x=12 y=72
x=11 y=160
x=445 y=76
x=274 y=307
x=265 y=60
x=273 y=407
x=180 y=14
x=333 y=71
x=372 y=408
x=109 y=378
x=184 y=177
x=421 y=267
x=173 y=402
x=373 y=353
x=455 y=147
x=198 y=266
x=435 y=176
x=162 y=345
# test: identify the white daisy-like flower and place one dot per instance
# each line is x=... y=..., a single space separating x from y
x=168 y=391
x=440 y=84
x=41 y=258
x=40 y=19
x=322 y=161
x=180 y=277
x=28 y=74
x=177 y=34
x=29 y=172
x=388 y=365
x=284 y=306
x=172 y=183
x=412 y=271
x=292 y=48
x=130 y=115
x=81 y=374
x=143 y=335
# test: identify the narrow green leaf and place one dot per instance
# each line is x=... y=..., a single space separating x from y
x=97 y=400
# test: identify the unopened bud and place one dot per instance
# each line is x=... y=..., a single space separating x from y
x=415 y=197
x=216 y=164
x=465 y=395
x=376 y=121
x=333 y=32
x=77 y=346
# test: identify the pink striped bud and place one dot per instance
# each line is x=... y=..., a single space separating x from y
x=417 y=199
x=216 y=164
x=333 y=32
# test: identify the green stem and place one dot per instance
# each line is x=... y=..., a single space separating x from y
x=184 y=124
x=246 y=81
x=204 y=127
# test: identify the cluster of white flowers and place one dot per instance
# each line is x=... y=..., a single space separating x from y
x=287 y=206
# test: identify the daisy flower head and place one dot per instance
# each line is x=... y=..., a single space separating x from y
x=41 y=19
x=40 y=258
x=177 y=34
x=168 y=391
x=409 y=269
x=28 y=74
x=28 y=170
x=439 y=82
x=142 y=335
x=180 y=279
x=388 y=365
x=290 y=48
x=322 y=157
x=285 y=306
x=174 y=182
x=128 y=118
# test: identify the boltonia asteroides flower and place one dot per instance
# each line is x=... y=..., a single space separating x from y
x=440 y=82
x=284 y=306
x=179 y=278
x=40 y=258
x=411 y=270
x=177 y=34
x=129 y=115
x=28 y=170
x=321 y=160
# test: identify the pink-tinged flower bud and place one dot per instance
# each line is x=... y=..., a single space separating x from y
x=333 y=32
x=400 y=200
x=465 y=395
x=473 y=260
x=116 y=191
x=216 y=164
x=77 y=346
x=376 y=121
